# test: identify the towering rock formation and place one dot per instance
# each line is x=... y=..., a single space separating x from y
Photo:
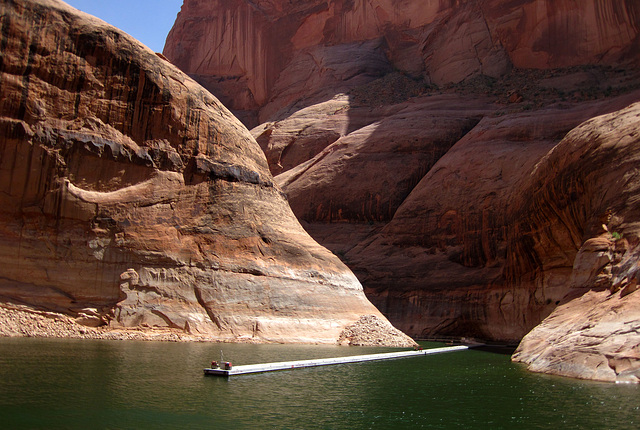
x=577 y=220
x=262 y=57
x=421 y=142
x=131 y=197
x=453 y=260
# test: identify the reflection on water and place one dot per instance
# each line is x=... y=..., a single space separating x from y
x=135 y=385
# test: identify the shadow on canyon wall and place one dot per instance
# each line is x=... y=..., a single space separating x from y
x=404 y=146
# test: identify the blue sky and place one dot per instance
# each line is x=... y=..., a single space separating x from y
x=149 y=21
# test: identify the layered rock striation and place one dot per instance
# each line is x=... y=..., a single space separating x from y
x=424 y=143
x=132 y=198
x=261 y=58
x=587 y=237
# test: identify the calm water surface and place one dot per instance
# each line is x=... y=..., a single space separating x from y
x=72 y=384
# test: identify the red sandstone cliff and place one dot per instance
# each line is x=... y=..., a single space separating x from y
x=576 y=218
x=410 y=138
x=130 y=197
x=262 y=57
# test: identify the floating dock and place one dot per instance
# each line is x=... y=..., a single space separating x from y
x=288 y=365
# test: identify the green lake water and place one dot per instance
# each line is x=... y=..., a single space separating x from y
x=82 y=384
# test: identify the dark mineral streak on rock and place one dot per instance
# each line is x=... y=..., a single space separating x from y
x=422 y=142
x=131 y=198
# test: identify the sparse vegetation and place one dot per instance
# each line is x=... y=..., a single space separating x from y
x=392 y=88
x=534 y=88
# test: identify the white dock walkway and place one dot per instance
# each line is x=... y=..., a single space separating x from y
x=287 y=365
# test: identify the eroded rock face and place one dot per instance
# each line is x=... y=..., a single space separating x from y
x=131 y=197
x=409 y=136
x=550 y=34
x=594 y=333
x=262 y=57
x=444 y=264
x=594 y=336
x=364 y=176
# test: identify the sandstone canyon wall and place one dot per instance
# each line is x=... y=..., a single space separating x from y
x=422 y=142
x=130 y=197
x=260 y=57
x=595 y=332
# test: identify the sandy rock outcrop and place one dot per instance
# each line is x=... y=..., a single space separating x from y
x=595 y=332
x=25 y=321
x=130 y=197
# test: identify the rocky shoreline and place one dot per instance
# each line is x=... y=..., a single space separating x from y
x=23 y=321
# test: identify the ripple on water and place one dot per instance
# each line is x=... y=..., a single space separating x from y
x=68 y=383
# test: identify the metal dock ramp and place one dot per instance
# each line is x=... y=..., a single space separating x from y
x=288 y=365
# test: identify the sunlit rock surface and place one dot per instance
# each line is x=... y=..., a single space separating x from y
x=131 y=198
x=594 y=180
x=262 y=57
